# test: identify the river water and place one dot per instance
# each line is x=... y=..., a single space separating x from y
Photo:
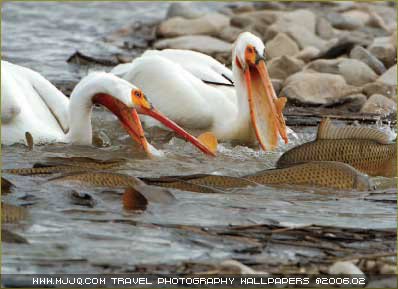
x=42 y=35
x=71 y=238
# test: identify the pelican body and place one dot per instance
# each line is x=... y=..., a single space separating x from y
x=198 y=92
x=30 y=103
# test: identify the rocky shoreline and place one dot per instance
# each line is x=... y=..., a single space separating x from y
x=333 y=57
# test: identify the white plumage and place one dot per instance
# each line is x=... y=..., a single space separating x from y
x=197 y=91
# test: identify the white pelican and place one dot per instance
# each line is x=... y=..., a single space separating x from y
x=32 y=104
x=196 y=91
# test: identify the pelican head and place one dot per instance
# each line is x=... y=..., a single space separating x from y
x=265 y=108
x=125 y=101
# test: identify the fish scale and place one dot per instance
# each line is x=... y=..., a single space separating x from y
x=323 y=174
x=12 y=214
x=368 y=156
x=102 y=179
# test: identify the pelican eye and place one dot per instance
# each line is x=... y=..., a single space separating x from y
x=250 y=49
x=137 y=94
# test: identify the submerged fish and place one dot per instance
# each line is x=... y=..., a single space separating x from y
x=102 y=179
x=366 y=149
x=12 y=214
x=60 y=164
x=314 y=174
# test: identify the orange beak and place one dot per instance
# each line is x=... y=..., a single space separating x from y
x=127 y=116
x=132 y=124
x=265 y=107
x=153 y=112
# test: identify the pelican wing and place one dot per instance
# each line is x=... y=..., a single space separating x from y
x=17 y=79
x=200 y=65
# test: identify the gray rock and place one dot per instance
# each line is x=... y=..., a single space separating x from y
x=256 y=17
x=358 y=16
x=324 y=29
x=230 y=33
x=182 y=9
x=324 y=66
x=354 y=71
x=317 y=88
x=277 y=84
x=383 y=50
x=302 y=36
x=299 y=25
x=210 y=24
x=201 y=43
x=365 y=56
x=379 y=104
x=353 y=102
x=340 y=21
x=390 y=76
x=284 y=66
x=308 y=53
x=280 y=45
x=378 y=87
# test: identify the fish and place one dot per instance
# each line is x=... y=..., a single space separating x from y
x=102 y=179
x=59 y=164
x=12 y=214
x=366 y=149
x=6 y=186
x=335 y=175
x=324 y=174
x=199 y=183
x=29 y=140
x=115 y=180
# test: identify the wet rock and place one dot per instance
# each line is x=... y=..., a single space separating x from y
x=383 y=50
x=83 y=59
x=324 y=29
x=317 y=88
x=230 y=34
x=365 y=56
x=353 y=102
x=389 y=77
x=354 y=71
x=280 y=45
x=341 y=21
x=307 y=54
x=284 y=66
x=210 y=24
x=378 y=87
x=195 y=42
x=344 y=267
x=182 y=9
x=379 y=104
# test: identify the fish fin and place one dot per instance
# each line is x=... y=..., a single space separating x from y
x=133 y=200
x=327 y=130
x=209 y=140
